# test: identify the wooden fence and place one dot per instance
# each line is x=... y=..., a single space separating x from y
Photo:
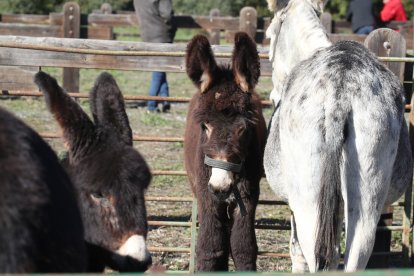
x=18 y=53
x=100 y=24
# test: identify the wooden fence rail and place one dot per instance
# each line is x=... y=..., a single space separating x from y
x=100 y=24
x=35 y=52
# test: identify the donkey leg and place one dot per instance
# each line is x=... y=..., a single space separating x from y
x=212 y=242
x=364 y=202
x=243 y=240
x=361 y=224
x=306 y=217
x=368 y=165
x=299 y=264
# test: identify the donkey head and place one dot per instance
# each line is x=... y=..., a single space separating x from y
x=225 y=111
x=109 y=174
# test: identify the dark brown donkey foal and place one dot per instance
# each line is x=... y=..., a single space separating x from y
x=224 y=143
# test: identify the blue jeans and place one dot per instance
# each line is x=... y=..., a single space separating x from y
x=159 y=87
x=364 y=30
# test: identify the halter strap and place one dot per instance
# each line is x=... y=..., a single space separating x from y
x=224 y=165
x=228 y=166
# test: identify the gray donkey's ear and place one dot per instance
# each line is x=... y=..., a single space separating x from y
x=271 y=4
x=317 y=5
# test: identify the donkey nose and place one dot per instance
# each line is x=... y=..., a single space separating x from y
x=220 y=183
x=136 y=248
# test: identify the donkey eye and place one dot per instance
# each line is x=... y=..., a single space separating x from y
x=241 y=129
x=205 y=126
x=97 y=195
x=100 y=199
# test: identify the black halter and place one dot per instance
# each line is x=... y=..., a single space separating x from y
x=224 y=165
x=228 y=166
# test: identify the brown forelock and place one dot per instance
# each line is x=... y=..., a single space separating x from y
x=199 y=59
x=232 y=101
x=245 y=60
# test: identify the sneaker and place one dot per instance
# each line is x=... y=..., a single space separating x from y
x=166 y=108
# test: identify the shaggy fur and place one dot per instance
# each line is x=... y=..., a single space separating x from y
x=40 y=223
x=109 y=174
x=337 y=141
x=224 y=122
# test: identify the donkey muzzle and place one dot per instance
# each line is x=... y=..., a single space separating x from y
x=135 y=248
x=222 y=178
x=220 y=183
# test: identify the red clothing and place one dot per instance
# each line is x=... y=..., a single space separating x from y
x=393 y=10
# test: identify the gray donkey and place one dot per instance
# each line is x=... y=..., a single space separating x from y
x=337 y=139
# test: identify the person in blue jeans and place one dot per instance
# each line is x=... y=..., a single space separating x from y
x=360 y=14
x=156 y=25
x=159 y=87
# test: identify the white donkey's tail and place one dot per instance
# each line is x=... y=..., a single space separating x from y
x=330 y=197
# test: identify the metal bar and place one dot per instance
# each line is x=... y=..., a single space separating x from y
x=50 y=135
x=126 y=97
x=193 y=236
x=257 y=226
x=169 y=223
x=171 y=199
x=169 y=249
x=260 y=253
x=273 y=254
x=261 y=201
x=178 y=173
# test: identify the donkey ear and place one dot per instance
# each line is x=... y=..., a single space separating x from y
x=271 y=4
x=74 y=122
x=108 y=107
x=318 y=5
x=246 y=62
x=200 y=63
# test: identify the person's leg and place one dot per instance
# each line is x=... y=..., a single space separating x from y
x=164 y=92
x=156 y=82
x=364 y=30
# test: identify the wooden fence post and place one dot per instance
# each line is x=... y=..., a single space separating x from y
x=214 y=33
x=388 y=43
x=385 y=42
x=106 y=8
x=71 y=29
x=248 y=21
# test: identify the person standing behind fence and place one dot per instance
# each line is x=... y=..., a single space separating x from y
x=360 y=14
x=393 y=10
x=156 y=25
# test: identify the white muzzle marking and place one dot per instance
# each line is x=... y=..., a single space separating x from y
x=136 y=248
x=221 y=179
